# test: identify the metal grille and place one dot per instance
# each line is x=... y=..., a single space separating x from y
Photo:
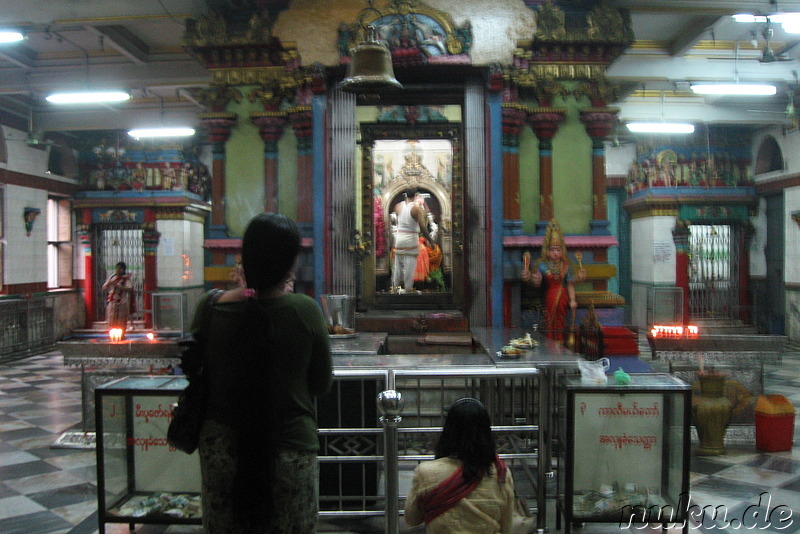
x=342 y=192
x=713 y=271
x=115 y=243
x=27 y=326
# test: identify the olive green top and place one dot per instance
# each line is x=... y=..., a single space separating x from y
x=302 y=349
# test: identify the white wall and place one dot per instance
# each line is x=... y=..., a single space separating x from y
x=619 y=159
x=758 y=258
x=25 y=255
x=180 y=254
x=653 y=250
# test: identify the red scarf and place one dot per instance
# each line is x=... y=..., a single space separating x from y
x=447 y=494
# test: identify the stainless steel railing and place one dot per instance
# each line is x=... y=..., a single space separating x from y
x=378 y=424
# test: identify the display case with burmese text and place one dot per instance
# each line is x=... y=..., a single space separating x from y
x=626 y=451
x=140 y=478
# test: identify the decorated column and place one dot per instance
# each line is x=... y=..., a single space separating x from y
x=270 y=128
x=513 y=120
x=85 y=239
x=150 y=239
x=680 y=235
x=599 y=123
x=301 y=119
x=218 y=126
x=544 y=122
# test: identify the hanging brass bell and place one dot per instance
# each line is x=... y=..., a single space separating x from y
x=370 y=69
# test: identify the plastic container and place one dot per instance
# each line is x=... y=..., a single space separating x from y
x=339 y=312
x=774 y=423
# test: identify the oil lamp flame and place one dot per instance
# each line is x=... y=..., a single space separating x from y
x=689 y=331
x=151 y=336
x=115 y=335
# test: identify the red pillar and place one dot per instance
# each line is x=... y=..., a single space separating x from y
x=270 y=128
x=544 y=122
x=218 y=129
x=680 y=234
x=302 y=120
x=744 y=273
x=599 y=123
x=513 y=120
x=85 y=239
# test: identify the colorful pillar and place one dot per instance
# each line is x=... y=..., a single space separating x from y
x=599 y=123
x=218 y=126
x=302 y=120
x=513 y=120
x=85 y=239
x=270 y=128
x=680 y=234
x=544 y=122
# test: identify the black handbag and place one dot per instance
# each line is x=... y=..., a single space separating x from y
x=183 y=432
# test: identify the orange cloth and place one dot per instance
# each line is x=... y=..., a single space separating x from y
x=435 y=257
x=423 y=262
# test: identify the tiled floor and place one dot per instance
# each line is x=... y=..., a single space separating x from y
x=48 y=490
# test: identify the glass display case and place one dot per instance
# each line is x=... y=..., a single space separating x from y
x=140 y=478
x=625 y=451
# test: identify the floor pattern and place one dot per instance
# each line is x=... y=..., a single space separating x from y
x=53 y=490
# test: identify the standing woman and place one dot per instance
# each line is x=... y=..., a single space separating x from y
x=467 y=488
x=120 y=295
x=267 y=357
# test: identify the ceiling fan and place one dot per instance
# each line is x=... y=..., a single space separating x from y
x=768 y=55
x=35 y=138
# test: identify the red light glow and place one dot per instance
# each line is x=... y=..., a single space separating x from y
x=674 y=331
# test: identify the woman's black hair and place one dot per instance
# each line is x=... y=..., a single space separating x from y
x=270 y=246
x=122 y=264
x=467 y=436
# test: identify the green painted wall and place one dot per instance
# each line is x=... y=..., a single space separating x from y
x=244 y=169
x=572 y=174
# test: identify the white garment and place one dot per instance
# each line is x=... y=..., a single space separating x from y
x=406 y=248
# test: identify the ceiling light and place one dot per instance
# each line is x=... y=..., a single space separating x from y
x=789 y=21
x=10 y=36
x=742 y=89
x=161 y=132
x=88 y=97
x=661 y=127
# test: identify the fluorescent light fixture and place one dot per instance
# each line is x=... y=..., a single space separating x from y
x=789 y=21
x=10 y=36
x=88 y=97
x=161 y=132
x=742 y=89
x=661 y=127
x=748 y=18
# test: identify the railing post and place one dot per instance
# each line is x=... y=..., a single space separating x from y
x=390 y=405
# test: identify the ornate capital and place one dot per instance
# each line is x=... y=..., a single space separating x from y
x=545 y=121
x=599 y=122
x=218 y=126
x=270 y=126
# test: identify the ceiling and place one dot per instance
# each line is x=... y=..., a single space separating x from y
x=71 y=44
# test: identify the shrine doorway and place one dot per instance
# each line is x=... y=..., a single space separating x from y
x=425 y=159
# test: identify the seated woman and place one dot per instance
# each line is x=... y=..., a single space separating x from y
x=467 y=488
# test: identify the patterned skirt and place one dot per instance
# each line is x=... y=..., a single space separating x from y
x=295 y=492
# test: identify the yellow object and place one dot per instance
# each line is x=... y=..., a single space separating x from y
x=774 y=405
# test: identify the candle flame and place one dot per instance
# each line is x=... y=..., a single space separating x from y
x=115 y=335
x=151 y=336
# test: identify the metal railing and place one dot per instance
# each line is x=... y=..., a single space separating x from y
x=377 y=425
x=26 y=326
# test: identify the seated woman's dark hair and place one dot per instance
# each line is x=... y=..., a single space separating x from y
x=467 y=436
x=122 y=264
